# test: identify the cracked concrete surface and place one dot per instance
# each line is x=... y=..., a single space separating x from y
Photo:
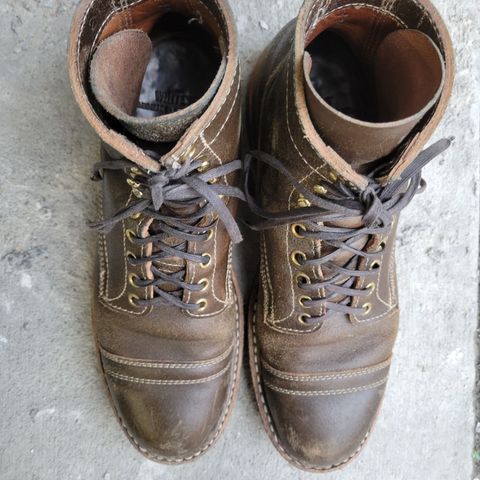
x=56 y=422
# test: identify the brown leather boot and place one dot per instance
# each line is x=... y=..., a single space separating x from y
x=159 y=83
x=340 y=106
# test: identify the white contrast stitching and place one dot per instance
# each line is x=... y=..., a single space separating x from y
x=269 y=418
x=222 y=422
x=337 y=376
x=153 y=364
x=326 y=393
x=151 y=381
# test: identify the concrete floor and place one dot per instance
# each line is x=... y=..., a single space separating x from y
x=56 y=423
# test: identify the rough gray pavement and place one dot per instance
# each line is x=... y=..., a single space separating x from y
x=56 y=423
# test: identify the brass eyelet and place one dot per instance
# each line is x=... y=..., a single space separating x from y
x=303 y=318
x=132 y=300
x=190 y=153
x=302 y=202
x=210 y=235
x=304 y=299
x=133 y=183
x=367 y=308
x=296 y=228
x=131 y=256
x=371 y=287
x=130 y=234
x=132 y=280
x=303 y=279
x=204 y=166
x=296 y=255
x=319 y=189
x=383 y=245
x=202 y=305
x=206 y=265
x=138 y=193
x=213 y=181
x=135 y=172
x=333 y=176
x=204 y=283
x=375 y=265
x=136 y=216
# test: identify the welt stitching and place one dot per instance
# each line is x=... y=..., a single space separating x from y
x=222 y=422
x=150 y=381
x=338 y=376
x=326 y=393
x=269 y=418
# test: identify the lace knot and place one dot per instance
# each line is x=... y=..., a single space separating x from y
x=375 y=212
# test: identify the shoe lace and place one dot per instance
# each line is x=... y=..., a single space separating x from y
x=376 y=206
x=184 y=204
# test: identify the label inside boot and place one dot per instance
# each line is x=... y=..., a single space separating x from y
x=167 y=102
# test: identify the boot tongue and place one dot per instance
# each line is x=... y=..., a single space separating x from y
x=407 y=72
x=117 y=72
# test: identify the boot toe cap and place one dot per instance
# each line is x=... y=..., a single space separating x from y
x=320 y=430
x=173 y=420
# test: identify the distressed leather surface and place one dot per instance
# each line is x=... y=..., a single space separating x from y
x=172 y=374
x=320 y=387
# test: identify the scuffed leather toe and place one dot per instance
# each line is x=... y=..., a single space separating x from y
x=318 y=429
x=172 y=413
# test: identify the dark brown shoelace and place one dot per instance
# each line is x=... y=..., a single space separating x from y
x=178 y=200
x=376 y=206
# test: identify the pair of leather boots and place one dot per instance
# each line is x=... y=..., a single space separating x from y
x=339 y=108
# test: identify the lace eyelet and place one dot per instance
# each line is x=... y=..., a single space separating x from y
x=202 y=303
x=133 y=299
x=135 y=172
x=130 y=234
x=131 y=256
x=297 y=257
x=333 y=176
x=210 y=236
x=136 y=216
x=303 y=318
x=383 y=245
x=204 y=283
x=304 y=299
x=375 y=265
x=319 y=189
x=132 y=280
x=302 y=202
x=191 y=152
x=371 y=287
x=209 y=257
x=204 y=166
x=302 y=279
x=296 y=228
x=133 y=183
x=367 y=309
